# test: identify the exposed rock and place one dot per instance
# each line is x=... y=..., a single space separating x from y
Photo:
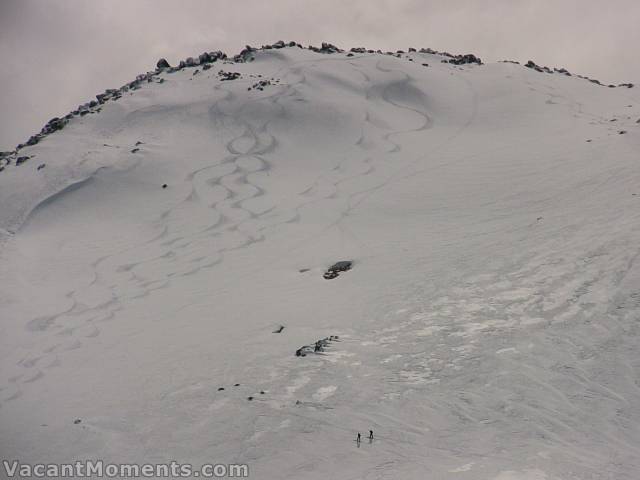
x=334 y=270
x=162 y=64
x=326 y=48
x=317 y=347
x=330 y=275
x=278 y=44
x=21 y=160
x=77 y=421
x=563 y=71
x=41 y=166
x=225 y=76
x=262 y=84
x=54 y=125
x=246 y=55
x=533 y=65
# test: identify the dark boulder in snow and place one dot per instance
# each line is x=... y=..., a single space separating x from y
x=532 y=65
x=341 y=266
x=564 y=71
x=465 y=59
x=246 y=55
x=318 y=347
x=334 y=270
x=325 y=48
x=226 y=76
x=162 y=63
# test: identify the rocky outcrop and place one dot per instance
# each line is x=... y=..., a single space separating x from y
x=226 y=76
x=468 y=58
x=334 y=270
x=317 y=347
x=326 y=48
x=162 y=64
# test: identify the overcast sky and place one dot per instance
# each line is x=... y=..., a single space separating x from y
x=56 y=54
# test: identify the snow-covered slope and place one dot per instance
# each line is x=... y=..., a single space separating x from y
x=487 y=330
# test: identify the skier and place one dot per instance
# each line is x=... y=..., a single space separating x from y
x=370 y=435
x=358 y=439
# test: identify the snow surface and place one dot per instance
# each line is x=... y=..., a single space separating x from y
x=488 y=328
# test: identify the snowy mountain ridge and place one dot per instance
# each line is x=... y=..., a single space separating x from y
x=173 y=287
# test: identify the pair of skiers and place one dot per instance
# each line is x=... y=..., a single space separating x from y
x=370 y=436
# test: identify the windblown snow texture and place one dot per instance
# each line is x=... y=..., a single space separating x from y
x=152 y=243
